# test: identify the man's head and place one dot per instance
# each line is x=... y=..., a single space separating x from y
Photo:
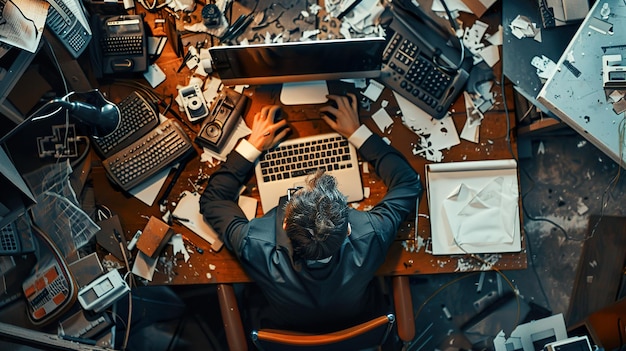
x=316 y=218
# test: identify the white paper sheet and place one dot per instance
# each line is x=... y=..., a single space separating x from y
x=188 y=212
x=443 y=134
x=24 y=23
x=474 y=207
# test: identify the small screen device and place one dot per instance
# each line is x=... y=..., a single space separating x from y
x=576 y=343
x=194 y=103
x=103 y=292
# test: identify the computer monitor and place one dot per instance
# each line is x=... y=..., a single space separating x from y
x=302 y=67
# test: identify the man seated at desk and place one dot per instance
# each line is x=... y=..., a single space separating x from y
x=314 y=258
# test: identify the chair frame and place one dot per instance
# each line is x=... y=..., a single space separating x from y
x=237 y=340
x=301 y=339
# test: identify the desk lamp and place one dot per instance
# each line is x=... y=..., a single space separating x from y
x=95 y=111
x=101 y=115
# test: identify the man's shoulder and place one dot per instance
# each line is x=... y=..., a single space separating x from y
x=261 y=226
x=360 y=223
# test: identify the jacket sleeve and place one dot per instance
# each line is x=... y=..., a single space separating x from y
x=404 y=187
x=218 y=203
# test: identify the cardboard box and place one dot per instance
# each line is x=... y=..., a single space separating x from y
x=154 y=237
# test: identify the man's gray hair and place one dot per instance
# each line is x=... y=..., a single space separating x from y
x=316 y=218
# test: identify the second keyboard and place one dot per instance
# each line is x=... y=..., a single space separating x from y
x=160 y=148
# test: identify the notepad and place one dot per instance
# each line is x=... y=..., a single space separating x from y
x=474 y=207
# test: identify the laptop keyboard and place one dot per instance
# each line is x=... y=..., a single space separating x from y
x=295 y=160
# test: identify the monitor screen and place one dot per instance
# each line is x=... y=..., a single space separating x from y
x=298 y=61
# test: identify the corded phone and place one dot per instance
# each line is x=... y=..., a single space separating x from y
x=420 y=63
x=121 y=44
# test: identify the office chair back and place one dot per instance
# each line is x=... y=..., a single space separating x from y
x=369 y=334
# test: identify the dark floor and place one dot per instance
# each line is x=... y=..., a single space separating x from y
x=563 y=180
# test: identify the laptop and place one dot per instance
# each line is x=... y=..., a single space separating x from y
x=290 y=163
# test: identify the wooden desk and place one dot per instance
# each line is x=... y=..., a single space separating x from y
x=409 y=255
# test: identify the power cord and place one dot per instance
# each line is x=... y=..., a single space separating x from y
x=435 y=59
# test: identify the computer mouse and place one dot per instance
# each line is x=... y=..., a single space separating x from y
x=278 y=115
x=330 y=103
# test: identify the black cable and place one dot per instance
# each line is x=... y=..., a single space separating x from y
x=619 y=332
x=533 y=218
x=507 y=137
x=448 y=69
x=530 y=250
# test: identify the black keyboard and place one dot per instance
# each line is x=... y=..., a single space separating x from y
x=67 y=27
x=138 y=117
x=9 y=241
x=123 y=45
x=16 y=237
x=160 y=148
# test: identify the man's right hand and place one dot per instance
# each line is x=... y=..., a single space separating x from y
x=346 y=114
x=266 y=132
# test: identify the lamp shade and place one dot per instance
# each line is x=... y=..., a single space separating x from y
x=95 y=111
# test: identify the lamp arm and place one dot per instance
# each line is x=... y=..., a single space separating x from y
x=60 y=103
x=103 y=116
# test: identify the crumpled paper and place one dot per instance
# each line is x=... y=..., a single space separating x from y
x=482 y=216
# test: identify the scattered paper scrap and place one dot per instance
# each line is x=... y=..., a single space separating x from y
x=473 y=36
x=437 y=134
x=178 y=246
x=374 y=89
x=471 y=131
x=544 y=65
x=581 y=207
x=523 y=27
x=383 y=120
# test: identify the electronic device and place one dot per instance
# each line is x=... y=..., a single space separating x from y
x=65 y=24
x=16 y=237
x=576 y=343
x=47 y=291
x=211 y=15
x=288 y=165
x=295 y=64
x=103 y=291
x=137 y=117
x=226 y=111
x=555 y=13
x=123 y=45
x=419 y=64
x=160 y=148
x=84 y=325
x=193 y=101
x=613 y=71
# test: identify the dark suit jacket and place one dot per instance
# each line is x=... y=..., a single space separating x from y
x=306 y=294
